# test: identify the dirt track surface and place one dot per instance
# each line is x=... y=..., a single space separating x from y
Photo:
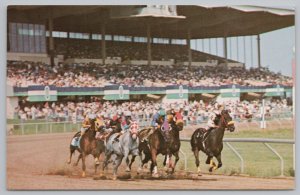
x=39 y=162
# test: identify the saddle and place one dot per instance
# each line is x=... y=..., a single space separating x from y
x=145 y=133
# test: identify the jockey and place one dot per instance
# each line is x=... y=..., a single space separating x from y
x=161 y=112
x=126 y=123
x=89 y=115
x=212 y=117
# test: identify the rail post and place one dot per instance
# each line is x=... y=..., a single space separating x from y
x=238 y=155
x=51 y=127
x=185 y=159
x=280 y=157
x=22 y=127
x=64 y=127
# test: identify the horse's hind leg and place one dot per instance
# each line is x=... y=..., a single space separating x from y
x=117 y=163
x=197 y=161
x=72 y=150
x=78 y=159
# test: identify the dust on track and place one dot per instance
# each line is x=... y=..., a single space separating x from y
x=39 y=162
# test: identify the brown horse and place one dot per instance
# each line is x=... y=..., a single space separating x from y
x=159 y=145
x=90 y=145
x=211 y=143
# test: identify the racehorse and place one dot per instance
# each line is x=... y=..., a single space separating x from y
x=211 y=143
x=90 y=145
x=116 y=125
x=127 y=145
x=159 y=145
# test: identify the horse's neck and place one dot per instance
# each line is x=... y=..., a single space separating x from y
x=91 y=133
x=175 y=132
x=220 y=130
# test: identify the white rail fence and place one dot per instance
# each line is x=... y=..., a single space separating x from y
x=266 y=142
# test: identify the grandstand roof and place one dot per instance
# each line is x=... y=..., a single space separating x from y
x=203 y=21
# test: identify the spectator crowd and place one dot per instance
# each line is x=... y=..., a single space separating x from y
x=193 y=112
x=23 y=74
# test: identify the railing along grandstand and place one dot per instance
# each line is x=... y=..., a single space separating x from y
x=63 y=124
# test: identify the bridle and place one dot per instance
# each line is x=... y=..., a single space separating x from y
x=226 y=123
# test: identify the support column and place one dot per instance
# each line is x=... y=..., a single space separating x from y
x=251 y=51
x=217 y=52
x=51 y=41
x=225 y=50
x=237 y=49
x=188 y=42
x=103 y=45
x=244 y=44
x=149 y=44
x=258 y=51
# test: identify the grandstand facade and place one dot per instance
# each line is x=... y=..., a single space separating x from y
x=123 y=53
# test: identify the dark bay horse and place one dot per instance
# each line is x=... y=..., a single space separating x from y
x=90 y=145
x=159 y=145
x=212 y=143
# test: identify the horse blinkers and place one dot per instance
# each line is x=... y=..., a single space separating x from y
x=134 y=130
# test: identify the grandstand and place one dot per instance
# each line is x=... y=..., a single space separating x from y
x=134 y=53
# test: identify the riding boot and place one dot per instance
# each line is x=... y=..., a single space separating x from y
x=117 y=137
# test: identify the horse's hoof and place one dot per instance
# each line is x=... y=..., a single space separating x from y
x=83 y=174
x=166 y=169
x=75 y=164
x=139 y=170
x=127 y=170
x=114 y=178
x=211 y=169
x=199 y=174
x=155 y=175
x=68 y=162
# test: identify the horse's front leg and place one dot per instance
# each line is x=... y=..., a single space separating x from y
x=219 y=161
x=131 y=162
x=126 y=156
x=154 y=163
x=106 y=159
x=176 y=160
x=83 y=164
x=211 y=163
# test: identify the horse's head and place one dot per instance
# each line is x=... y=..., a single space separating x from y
x=134 y=127
x=160 y=120
x=226 y=120
x=175 y=119
x=99 y=124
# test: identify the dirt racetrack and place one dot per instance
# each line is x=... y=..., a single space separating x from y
x=39 y=162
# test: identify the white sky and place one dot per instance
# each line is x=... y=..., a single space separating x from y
x=276 y=49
